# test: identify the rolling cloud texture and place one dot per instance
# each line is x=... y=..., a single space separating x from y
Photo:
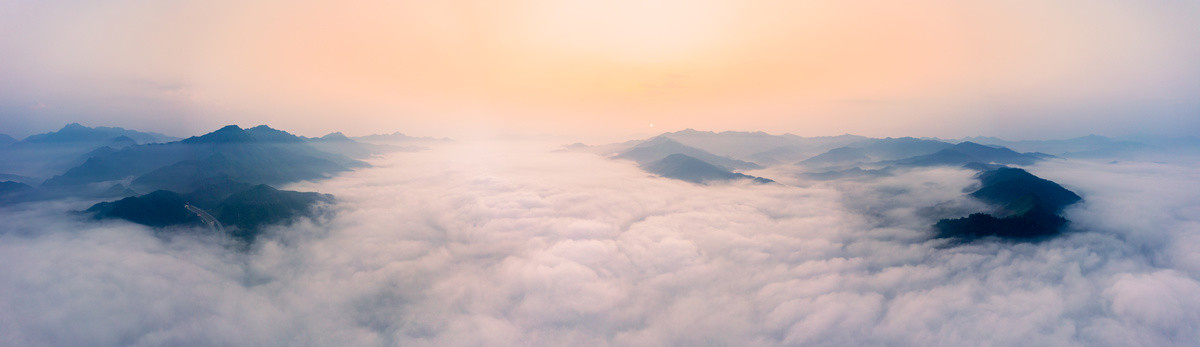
x=535 y=247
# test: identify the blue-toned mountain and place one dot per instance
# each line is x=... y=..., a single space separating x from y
x=258 y=155
x=683 y=167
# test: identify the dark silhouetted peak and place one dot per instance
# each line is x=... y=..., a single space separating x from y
x=1028 y=208
x=1032 y=226
x=226 y=134
x=238 y=205
x=235 y=134
x=6 y=140
x=261 y=205
x=1004 y=185
x=158 y=209
x=1026 y=204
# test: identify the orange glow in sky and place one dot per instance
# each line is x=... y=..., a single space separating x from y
x=609 y=68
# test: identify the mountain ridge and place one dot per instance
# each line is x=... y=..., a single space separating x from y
x=1027 y=208
x=686 y=168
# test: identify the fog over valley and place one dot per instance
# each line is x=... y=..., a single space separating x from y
x=599 y=173
x=684 y=238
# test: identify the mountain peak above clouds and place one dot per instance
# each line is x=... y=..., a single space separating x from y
x=1027 y=207
x=660 y=147
x=686 y=168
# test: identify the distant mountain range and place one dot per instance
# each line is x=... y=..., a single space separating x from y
x=76 y=133
x=258 y=155
x=224 y=176
x=760 y=147
x=843 y=152
x=204 y=172
x=970 y=152
x=873 y=150
x=1026 y=207
x=837 y=156
x=1142 y=148
x=38 y=156
x=1068 y=147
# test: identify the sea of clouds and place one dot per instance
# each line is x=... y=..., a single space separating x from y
x=518 y=244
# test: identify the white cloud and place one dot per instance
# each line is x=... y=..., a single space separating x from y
x=529 y=247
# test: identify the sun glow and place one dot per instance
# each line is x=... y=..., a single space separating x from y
x=576 y=65
x=630 y=31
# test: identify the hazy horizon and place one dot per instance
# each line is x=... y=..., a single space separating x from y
x=570 y=208
x=930 y=68
x=500 y=136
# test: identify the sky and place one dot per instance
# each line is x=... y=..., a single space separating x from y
x=605 y=69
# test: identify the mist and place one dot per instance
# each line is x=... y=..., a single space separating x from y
x=516 y=243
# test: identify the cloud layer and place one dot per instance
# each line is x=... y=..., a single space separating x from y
x=516 y=245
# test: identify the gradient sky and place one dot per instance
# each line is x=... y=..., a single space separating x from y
x=1017 y=69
